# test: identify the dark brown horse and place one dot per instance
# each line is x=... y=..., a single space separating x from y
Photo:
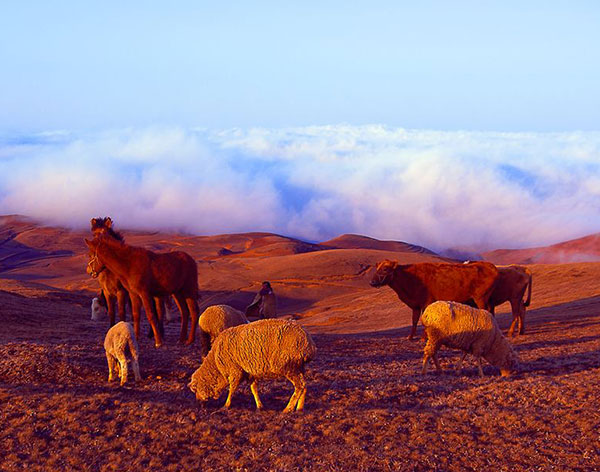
x=147 y=275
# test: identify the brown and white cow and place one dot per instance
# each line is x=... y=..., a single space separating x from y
x=419 y=285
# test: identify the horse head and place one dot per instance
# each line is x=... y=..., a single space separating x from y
x=95 y=266
x=103 y=226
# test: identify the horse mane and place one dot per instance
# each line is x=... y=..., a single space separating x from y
x=101 y=225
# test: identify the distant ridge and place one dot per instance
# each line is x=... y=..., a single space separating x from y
x=356 y=241
x=586 y=249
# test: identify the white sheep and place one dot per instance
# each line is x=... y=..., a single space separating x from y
x=98 y=311
x=471 y=330
x=269 y=348
x=214 y=320
x=117 y=339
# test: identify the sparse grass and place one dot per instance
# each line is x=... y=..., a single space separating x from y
x=368 y=407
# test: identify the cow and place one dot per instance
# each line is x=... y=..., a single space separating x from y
x=419 y=285
x=512 y=282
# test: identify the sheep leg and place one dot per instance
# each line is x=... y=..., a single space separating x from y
x=299 y=389
x=430 y=352
x=415 y=319
x=123 y=365
x=136 y=369
x=480 y=366
x=254 y=390
x=192 y=306
x=185 y=315
x=460 y=362
x=111 y=367
x=300 y=404
x=234 y=382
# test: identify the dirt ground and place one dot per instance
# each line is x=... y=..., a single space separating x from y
x=368 y=407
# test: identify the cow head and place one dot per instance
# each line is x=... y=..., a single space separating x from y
x=383 y=273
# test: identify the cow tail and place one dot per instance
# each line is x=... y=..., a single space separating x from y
x=528 y=301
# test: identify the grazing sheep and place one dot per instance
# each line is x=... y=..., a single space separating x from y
x=117 y=339
x=98 y=311
x=215 y=319
x=469 y=329
x=263 y=349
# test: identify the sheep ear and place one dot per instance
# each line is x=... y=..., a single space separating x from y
x=93 y=222
x=108 y=222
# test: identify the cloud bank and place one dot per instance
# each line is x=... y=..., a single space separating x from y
x=437 y=189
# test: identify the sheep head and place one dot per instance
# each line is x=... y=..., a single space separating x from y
x=207 y=382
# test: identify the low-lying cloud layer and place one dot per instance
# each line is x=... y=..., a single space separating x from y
x=437 y=189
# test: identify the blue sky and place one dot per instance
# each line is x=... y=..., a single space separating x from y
x=465 y=123
x=475 y=65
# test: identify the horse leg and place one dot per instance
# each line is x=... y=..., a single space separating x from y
x=192 y=305
x=185 y=315
x=160 y=313
x=135 y=314
x=122 y=303
x=110 y=308
x=150 y=309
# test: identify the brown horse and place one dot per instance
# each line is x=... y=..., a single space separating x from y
x=147 y=275
x=112 y=288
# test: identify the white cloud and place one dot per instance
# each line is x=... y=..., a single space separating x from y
x=438 y=189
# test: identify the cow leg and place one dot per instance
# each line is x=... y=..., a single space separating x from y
x=185 y=315
x=151 y=315
x=515 y=316
x=522 y=319
x=193 y=310
x=416 y=314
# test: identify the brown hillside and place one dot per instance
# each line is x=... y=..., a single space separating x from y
x=585 y=249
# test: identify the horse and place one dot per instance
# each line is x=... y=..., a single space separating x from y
x=147 y=275
x=112 y=288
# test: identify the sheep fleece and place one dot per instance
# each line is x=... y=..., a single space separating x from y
x=217 y=318
x=469 y=329
x=262 y=349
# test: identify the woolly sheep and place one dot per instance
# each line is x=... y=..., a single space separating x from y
x=117 y=339
x=214 y=320
x=98 y=311
x=269 y=348
x=469 y=329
